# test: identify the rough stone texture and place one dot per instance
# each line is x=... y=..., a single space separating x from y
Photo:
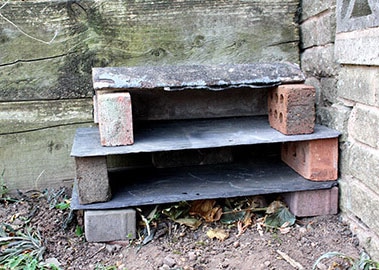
x=115 y=119
x=349 y=47
x=292 y=108
x=92 y=180
x=110 y=225
x=312 y=8
x=363 y=163
x=319 y=61
x=315 y=160
x=361 y=15
x=335 y=116
x=364 y=125
x=359 y=200
x=319 y=30
x=313 y=202
x=360 y=84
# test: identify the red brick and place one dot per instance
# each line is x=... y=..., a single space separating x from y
x=114 y=112
x=313 y=202
x=291 y=109
x=315 y=160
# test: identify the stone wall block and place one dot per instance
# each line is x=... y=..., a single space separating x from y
x=291 y=108
x=319 y=61
x=313 y=8
x=364 y=125
x=115 y=119
x=318 y=30
x=315 y=160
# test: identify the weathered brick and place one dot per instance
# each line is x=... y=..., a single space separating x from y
x=313 y=202
x=315 y=160
x=291 y=108
x=109 y=225
x=115 y=119
x=92 y=180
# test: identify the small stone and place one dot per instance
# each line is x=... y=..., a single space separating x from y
x=236 y=244
x=192 y=256
x=169 y=261
x=267 y=263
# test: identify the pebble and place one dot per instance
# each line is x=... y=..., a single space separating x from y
x=236 y=244
x=267 y=263
x=169 y=261
x=192 y=256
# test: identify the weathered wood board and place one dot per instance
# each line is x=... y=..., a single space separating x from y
x=36 y=139
x=49 y=47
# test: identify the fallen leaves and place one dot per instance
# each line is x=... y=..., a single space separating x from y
x=218 y=233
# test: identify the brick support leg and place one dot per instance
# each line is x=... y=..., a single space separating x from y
x=313 y=202
x=291 y=108
x=315 y=160
x=92 y=180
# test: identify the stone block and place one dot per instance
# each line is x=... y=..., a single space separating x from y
x=115 y=119
x=291 y=108
x=319 y=61
x=358 y=47
x=335 y=117
x=359 y=83
x=363 y=164
x=364 y=125
x=313 y=8
x=319 y=30
x=315 y=160
x=109 y=225
x=95 y=110
x=313 y=202
x=92 y=180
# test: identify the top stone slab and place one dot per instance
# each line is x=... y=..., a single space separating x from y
x=217 y=77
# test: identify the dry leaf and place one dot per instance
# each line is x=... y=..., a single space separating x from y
x=206 y=210
x=218 y=233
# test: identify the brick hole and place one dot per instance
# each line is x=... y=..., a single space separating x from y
x=270 y=111
x=276 y=97
x=276 y=114
x=281 y=117
x=281 y=98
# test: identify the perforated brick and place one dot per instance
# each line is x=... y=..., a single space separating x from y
x=315 y=160
x=291 y=109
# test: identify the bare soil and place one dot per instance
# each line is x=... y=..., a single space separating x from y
x=176 y=246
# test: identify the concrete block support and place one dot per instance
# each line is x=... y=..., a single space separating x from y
x=315 y=160
x=313 y=202
x=114 y=111
x=92 y=180
x=109 y=225
x=291 y=109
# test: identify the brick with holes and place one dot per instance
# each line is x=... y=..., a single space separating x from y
x=291 y=109
x=315 y=160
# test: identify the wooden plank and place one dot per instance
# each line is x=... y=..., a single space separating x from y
x=38 y=159
x=212 y=77
x=192 y=134
x=49 y=47
x=157 y=186
x=24 y=116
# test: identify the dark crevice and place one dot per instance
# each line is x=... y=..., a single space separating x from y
x=32 y=60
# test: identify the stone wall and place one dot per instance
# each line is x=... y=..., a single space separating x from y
x=340 y=55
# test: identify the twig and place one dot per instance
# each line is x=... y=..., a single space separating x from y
x=290 y=260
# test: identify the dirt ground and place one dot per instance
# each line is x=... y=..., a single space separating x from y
x=176 y=246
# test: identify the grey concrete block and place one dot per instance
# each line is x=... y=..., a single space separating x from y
x=92 y=180
x=109 y=225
